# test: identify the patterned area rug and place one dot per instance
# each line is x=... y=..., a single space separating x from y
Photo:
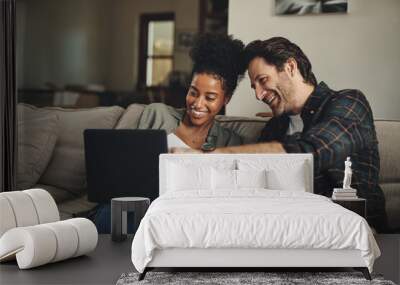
x=230 y=278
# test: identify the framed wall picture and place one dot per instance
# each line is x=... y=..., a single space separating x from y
x=303 y=7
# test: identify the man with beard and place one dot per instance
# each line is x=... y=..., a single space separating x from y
x=312 y=118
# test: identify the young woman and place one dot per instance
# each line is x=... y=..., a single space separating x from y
x=215 y=74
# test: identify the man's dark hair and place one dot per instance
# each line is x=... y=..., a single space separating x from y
x=219 y=56
x=276 y=51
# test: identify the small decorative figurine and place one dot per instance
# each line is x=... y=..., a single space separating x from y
x=347 y=174
x=345 y=193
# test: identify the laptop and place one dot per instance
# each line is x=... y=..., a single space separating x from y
x=123 y=163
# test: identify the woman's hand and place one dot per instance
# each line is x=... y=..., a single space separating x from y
x=183 y=150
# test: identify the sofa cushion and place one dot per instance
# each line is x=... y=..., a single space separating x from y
x=130 y=118
x=66 y=169
x=58 y=194
x=37 y=136
x=77 y=207
x=392 y=197
x=248 y=129
x=388 y=133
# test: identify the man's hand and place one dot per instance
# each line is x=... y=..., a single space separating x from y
x=183 y=150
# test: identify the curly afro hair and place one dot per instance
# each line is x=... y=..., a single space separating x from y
x=220 y=56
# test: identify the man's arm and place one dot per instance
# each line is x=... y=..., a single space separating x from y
x=346 y=129
x=268 y=147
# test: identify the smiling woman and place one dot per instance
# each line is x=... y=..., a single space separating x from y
x=216 y=71
x=204 y=100
x=217 y=67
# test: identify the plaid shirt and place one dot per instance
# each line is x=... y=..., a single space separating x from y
x=337 y=124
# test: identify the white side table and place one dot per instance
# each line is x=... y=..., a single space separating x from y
x=119 y=208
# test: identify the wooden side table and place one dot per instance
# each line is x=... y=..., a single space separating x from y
x=119 y=208
x=357 y=205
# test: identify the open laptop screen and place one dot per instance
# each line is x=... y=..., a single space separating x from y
x=123 y=163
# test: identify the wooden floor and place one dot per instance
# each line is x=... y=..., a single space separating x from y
x=110 y=260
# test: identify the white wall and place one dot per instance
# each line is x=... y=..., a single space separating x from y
x=360 y=49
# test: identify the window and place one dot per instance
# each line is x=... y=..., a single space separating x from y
x=157 y=47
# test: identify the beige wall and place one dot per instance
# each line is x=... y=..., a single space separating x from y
x=359 y=49
x=90 y=41
x=65 y=42
x=125 y=36
x=187 y=20
x=125 y=39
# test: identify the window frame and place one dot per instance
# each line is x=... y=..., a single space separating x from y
x=145 y=19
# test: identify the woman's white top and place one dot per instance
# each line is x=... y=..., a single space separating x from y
x=174 y=141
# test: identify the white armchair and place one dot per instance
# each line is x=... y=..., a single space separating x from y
x=31 y=232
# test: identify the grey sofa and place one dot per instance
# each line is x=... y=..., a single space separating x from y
x=52 y=152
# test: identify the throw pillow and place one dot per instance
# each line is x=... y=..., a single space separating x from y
x=227 y=179
x=66 y=169
x=223 y=179
x=282 y=172
x=251 y=178
x=37 y=138
x=130 y=117
x=291 y=178
x=183 y=177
